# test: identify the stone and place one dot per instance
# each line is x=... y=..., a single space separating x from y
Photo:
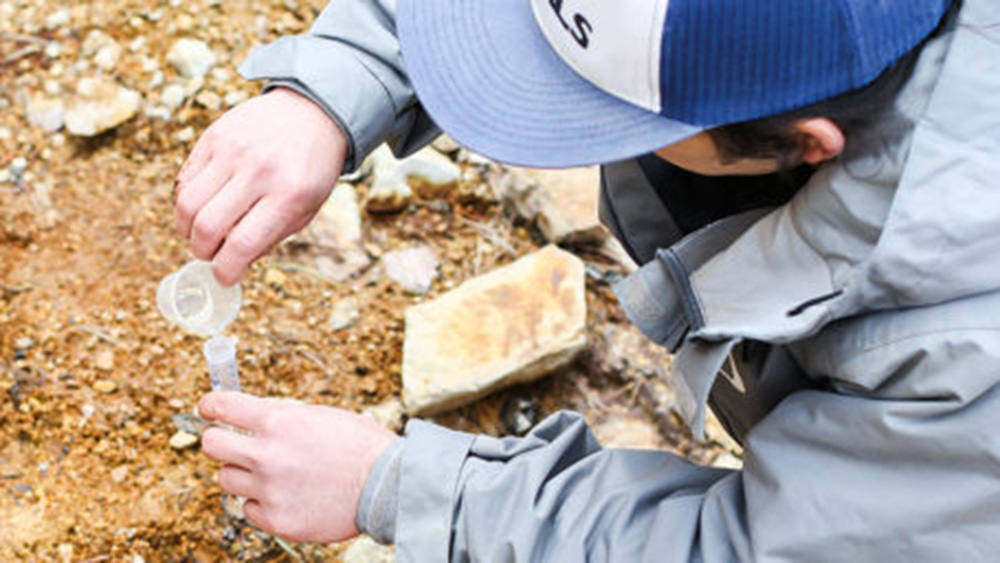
x=414 y=269
x=391 y=191
x=446 y=145
x=512 y=325
x=334 y=236
x=47 y=113
x=182 y=440
x=388 y=414
x=235 y=98
x=728 y=461
x=626 y=431
x=191 y=57
x=101 y=104
x=102 y=49
x=275 y=277
x=367 y=550
x=173 y=96
x=209 y=100
x=105 y=360
x=566 y=203
x=628 y=353
x=345 y=313
x=119 y=474
x=57 y=19
x=106 y=386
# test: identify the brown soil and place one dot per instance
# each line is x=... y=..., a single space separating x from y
x=86 y=472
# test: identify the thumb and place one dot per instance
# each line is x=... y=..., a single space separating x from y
x=233 y=408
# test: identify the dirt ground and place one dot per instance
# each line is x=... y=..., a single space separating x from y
x=90 y=375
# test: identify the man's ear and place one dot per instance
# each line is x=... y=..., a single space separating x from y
x=822 y=139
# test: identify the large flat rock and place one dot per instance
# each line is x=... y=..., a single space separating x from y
x=512 y=325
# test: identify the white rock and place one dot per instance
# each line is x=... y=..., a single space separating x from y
x=221 y=75
x=335 y=236
x=52 y=51
x=566 y=203
x=391 y=191
x=414 y=269
x=209 y=100
x=57 y=19
x=235 y=98
x=191 y=57
x=103 y=49
x=101 y=105
x=156 y=80
x=18 y=165
x=367 y=550
x=388 y=414
x=344 y=314
x=185 y=135
x=173 y=96
x=512 y=325
x=46 y=113
x=182 y=440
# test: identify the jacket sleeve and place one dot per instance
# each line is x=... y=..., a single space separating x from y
x=349 y=63
x=898 y=462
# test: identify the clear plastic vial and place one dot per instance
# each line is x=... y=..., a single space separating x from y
x=220 y=353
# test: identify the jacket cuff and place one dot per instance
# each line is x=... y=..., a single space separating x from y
x=335 y=79
x=431 y=463
x=380 y=497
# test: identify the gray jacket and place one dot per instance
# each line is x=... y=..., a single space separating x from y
x=878 y=286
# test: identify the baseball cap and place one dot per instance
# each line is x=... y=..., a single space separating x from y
x=557 y=83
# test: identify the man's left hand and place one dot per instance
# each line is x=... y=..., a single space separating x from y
x=302 y=467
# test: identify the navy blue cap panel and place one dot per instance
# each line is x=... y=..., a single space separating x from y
x=726 y=61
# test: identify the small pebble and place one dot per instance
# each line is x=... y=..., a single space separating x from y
x=182 y=440
x=105 y=386
x=275 y=277
x=105 y=360
x=119 y=474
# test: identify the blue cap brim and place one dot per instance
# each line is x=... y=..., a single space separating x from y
x=488 y=77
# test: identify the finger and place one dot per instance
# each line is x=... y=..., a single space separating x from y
x=255 y=514
x=264 y=225
x=220 y=215
x=198 y=191
x=237 y=481
x=199 y=157
x=234 y=408
x=229 y=447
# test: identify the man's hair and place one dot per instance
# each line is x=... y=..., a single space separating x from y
x=775 y=137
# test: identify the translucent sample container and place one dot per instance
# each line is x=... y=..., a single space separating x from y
x=194 y=300
x=220 y=353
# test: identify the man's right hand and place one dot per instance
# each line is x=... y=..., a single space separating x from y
x=257 y=175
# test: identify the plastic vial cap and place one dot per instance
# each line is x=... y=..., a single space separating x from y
x=193 y=299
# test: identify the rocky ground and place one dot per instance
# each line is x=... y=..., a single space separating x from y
x=99 y=104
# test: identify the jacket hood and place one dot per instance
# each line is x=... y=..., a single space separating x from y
x=908 y=216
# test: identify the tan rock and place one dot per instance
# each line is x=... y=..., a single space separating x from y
x=567 y=203
x=391 y=190
x=105 y=360
x=335 y=236
x=105 y=386
x=182 y=440
x=366 y=550
x=101 y=104
x=512 y=325
x=119 y=474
